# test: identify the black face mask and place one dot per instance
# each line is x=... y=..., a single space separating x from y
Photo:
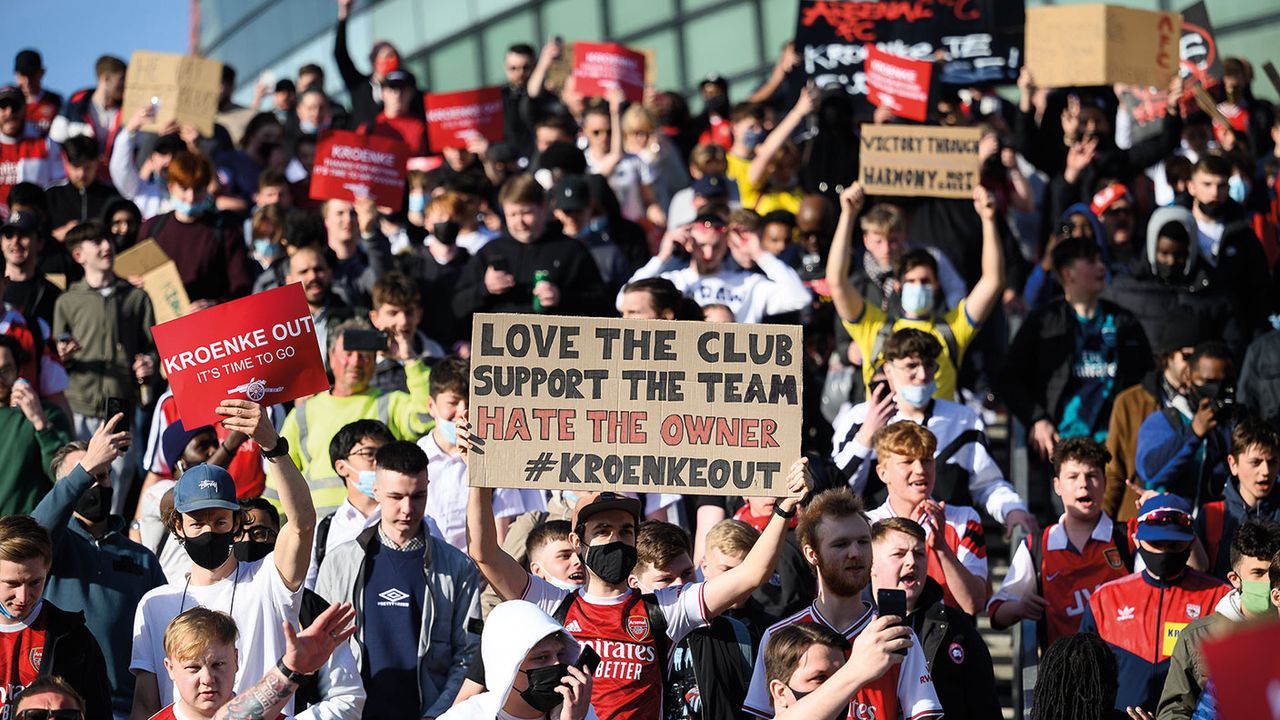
x=611 y=562
x=1211 y=390
x=1213 y=210
x=718 y=105
x=446 y=232
x=541 y=693
x=210 y=549
x=251 y=550
x=1170 y=273
x=1166 y=565
x=95 y=504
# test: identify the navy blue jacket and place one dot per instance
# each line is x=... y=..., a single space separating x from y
x=104 y=578
x=1169 y=457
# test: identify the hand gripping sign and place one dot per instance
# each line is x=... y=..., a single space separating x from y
x=261 y=348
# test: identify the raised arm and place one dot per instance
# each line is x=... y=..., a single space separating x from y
x=305 y=653
x=725 y=590
x=847 y=299
x=550 y=53
x=986 y=293
x=351 y=77
x=759 y=170
x=293 y=544
x=786 y=61
x=502 y=571
x=616 y=97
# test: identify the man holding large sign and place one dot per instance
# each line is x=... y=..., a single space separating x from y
x=663 y=368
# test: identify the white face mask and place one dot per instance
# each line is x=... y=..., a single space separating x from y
x=916 y=298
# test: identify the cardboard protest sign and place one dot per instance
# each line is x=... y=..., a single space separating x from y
x=919 y=160
x=261 y=348
x=455 y=118
x=634 y=405
x=1200 y=64
x=1246 y=686
x=898 y=83
x=352 y=166
x=976 y=42
x=160 y=278
x=1084 y=45
x=598 y=67
x=185 y=88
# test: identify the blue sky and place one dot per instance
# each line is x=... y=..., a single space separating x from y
x=71 y=34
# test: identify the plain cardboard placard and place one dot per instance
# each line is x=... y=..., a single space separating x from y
x=919 y=160
x=1082 y=45
x=160 y=279
x=593 y=404
x=187 y=87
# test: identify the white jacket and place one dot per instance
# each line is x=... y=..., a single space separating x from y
x=751 y=296
x=511 y=631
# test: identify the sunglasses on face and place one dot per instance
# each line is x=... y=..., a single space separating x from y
x=42 y=714
x=1165 y=518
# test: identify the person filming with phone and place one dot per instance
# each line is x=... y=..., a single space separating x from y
x=353 y=349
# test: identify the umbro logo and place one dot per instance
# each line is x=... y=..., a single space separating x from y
x=1125 y=613
x=394 y=597
x=573 y=627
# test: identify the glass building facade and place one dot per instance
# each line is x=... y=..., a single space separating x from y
x=459 y=44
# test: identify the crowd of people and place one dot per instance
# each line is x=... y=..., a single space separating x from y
x=1107 y=299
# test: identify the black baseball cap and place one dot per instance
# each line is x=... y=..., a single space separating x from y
x=710 y=186
x=589 y=505
x=398 y=78
x=715 y=79
x=571 y=194
x=28 y=62
x=12 y=94
x=24 y=221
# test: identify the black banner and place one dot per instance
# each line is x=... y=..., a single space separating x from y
x=1201 y=63
x=978 y=42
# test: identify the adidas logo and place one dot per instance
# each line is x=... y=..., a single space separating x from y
x=573 y=627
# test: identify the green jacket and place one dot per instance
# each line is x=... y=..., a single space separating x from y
x=1187 y=673
x=111 y=330
x=25 y=456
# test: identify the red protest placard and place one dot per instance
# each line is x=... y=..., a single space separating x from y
x=454 y=118
x=1246 y=686
x=898 y=83
x=261 y=348
x=598 y=67
x=351 y=166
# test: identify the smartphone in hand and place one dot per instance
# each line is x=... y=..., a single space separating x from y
x=892 y=601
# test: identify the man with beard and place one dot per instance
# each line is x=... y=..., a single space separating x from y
x=315 y=420
x=1227 y=243
x=836 y=540
x=633 y=632
x=1141 y=615
x=310 y=267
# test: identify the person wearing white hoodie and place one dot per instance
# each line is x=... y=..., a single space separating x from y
x=1252 y=549
x=529 y=670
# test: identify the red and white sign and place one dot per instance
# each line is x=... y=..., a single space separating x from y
x=456 y=118
x=1243 y=687
x=351 y=166
x=261 y=348
x=898 y=83
x=598 y=67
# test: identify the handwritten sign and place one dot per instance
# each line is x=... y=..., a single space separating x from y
x=185 y=88
x=598 y=67
x=160 y=278
x=1080 y=45
x=919 y=160
x=634 y=405
x=261 y=348
x=352 y=166
x=975 y=43
x=899 y=84
x=456 y=118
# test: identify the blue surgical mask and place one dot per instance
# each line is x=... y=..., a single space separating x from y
x=364 y=482
x=563 y=584
x=182 y=207
x=5 y=612
x=448 y=430
x=417 y=202
x=264 y=248
x=918 y=396
x=917 y=298
x=752 y=138
x=1236 y=189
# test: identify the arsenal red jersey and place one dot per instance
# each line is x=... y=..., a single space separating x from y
x=904 y=691
x=21 y=649
x=629 y=681
x=1068 y=575
x=165 y=714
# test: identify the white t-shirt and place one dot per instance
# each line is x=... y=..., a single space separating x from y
x=257 y=600
x=448 y=491
x=1209 y=235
